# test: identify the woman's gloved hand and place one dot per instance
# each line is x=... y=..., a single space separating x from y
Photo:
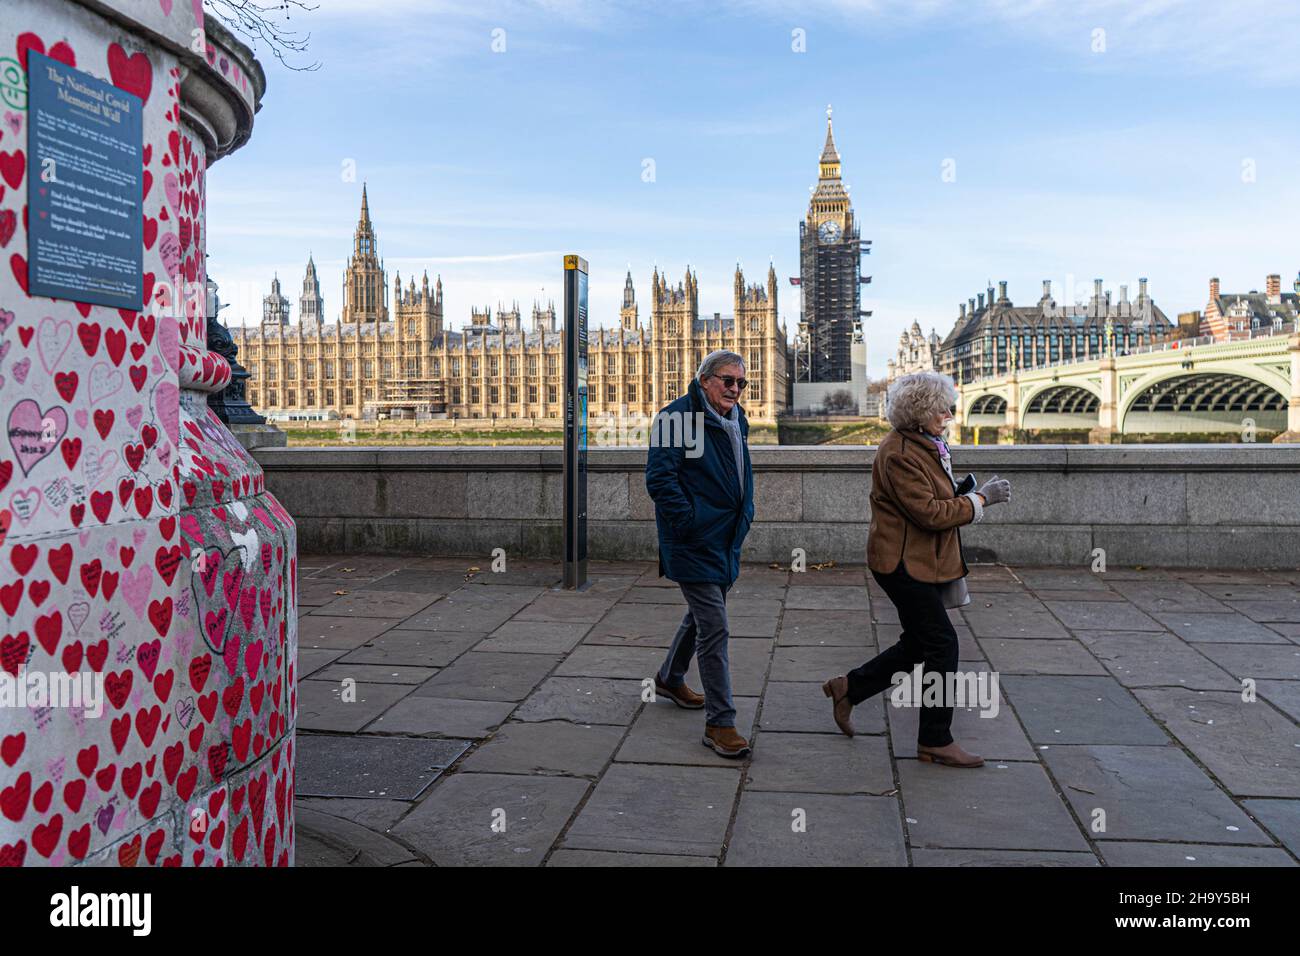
x=994 y=491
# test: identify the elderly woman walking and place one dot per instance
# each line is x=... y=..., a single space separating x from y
x=914 y=553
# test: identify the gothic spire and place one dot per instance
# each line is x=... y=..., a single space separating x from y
x=829 y=152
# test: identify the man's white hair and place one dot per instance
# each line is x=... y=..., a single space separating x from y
x=716 y=360
x=913 y=398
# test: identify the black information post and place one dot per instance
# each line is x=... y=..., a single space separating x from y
x=84 y=187
x=575 y=422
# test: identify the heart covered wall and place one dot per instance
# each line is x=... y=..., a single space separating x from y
x=139 y=551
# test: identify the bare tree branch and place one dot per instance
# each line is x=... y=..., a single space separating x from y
x=266 y=23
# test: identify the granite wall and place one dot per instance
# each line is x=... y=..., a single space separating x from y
x=1228 y=506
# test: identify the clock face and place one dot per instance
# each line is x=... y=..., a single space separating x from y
x=829 y=231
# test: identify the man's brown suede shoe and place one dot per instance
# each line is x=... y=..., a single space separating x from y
x=681 y=696
x=837 y=689
x=951 y=756
x=725 y=741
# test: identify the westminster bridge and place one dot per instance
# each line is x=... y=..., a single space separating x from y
x=1199 y=386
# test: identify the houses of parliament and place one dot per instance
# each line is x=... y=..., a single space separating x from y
x=391 y=355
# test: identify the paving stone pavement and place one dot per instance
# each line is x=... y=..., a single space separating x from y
x=450 y=716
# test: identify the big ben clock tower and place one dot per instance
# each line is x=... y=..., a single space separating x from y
x=829 y=257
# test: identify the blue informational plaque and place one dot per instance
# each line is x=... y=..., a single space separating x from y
x=84 y=187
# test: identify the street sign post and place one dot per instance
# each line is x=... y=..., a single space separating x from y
x=575 y=422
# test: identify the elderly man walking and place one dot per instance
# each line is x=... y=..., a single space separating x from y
x=699 y=475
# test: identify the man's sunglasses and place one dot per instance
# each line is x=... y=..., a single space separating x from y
x=730 y=381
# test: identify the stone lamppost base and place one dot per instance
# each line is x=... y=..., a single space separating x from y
x=265 y=435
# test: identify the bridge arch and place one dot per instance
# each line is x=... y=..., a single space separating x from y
x=986 y=410
x=1061 y=405
x=1204 y=400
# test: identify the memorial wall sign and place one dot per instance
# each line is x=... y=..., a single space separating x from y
x=84 y=187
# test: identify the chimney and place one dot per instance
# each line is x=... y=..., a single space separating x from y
x=962 y=317
x=1002 y=291
x=1047 y=288
x=971 y=309
x=1096 y=289
x=1273 y=286
x=1123 y=293
x=981 y=298
x=1214 y=288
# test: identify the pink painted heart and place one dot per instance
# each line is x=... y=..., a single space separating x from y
x=81 y=417
x=14 y=122
x=52 y=340
x=33 y=433
x=166 y=405
x=24 y=502
x=169 y=248
x=20 y=370
x=172 y=186
x=104 y=381
x=135 y=588
x=135 y=415
x=97 y=468
x=169 y=341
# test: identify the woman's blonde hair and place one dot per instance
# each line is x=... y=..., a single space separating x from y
x=913 y=398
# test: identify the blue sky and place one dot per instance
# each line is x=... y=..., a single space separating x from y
x=1165 y=146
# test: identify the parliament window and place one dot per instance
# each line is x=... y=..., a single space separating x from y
x=455 y=366
x=631 y=365
x=473 y=366
x=611 y=394
x=631 y=393
x=532 y=394
x=349 y=368
x=512 y=365
x=473 y=394
x=494 y=394
x=494 y=366
x=368 y=368
x=532 y=365
x=513 y=392
x=550 y=394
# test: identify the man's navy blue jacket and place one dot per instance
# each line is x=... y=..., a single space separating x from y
x=700 y=511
